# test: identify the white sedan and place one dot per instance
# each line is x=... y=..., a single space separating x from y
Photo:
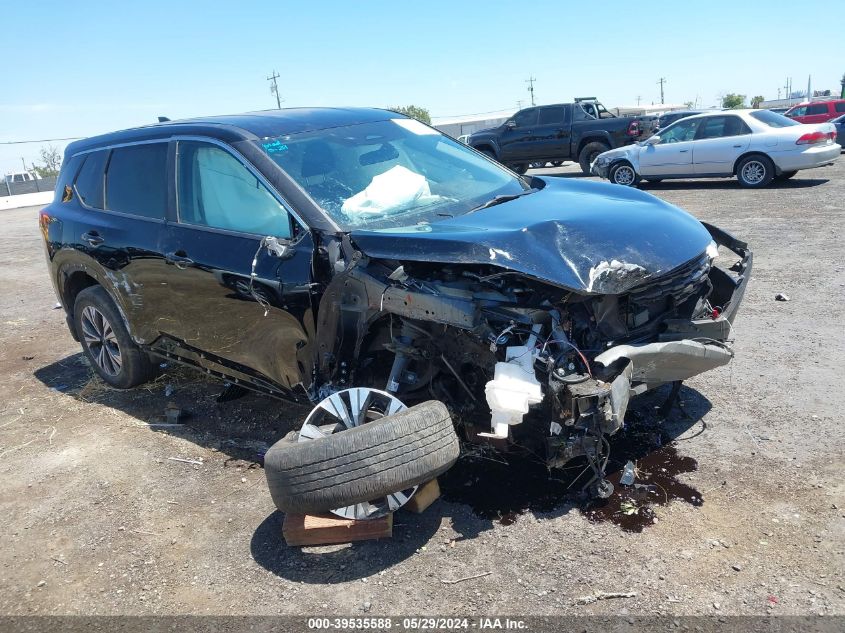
x=756 y=146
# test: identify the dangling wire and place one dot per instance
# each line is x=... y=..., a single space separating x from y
x=252 y=275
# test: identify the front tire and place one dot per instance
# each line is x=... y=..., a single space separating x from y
x=755 y=171
x=589 y=153
x=623 y=174
x=519 y=168
x=106 y=341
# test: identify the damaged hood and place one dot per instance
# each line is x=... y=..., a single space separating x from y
x=584 y=236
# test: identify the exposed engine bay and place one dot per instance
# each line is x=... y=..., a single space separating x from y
x=521 y=362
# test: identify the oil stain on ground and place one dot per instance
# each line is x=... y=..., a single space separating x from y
x=502 y=487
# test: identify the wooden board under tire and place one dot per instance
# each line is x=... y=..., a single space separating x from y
x=425 y=495
x=327 y=529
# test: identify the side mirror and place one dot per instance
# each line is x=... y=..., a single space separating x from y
x=510 y=124
x=653 y=140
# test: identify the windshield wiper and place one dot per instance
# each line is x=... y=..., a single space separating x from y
x=492 y=202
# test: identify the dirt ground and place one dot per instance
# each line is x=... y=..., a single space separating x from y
x=97 y=519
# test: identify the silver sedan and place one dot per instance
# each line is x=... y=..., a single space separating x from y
x=756 y=146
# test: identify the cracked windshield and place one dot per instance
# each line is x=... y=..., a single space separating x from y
x=390 y=173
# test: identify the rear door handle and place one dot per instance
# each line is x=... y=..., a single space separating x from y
x=178 y=259
x=93 y=238
x=738 y=146
x=683 y=151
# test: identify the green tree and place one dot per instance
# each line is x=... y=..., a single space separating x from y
x=49 y=162
x=756 y=101
x=416 y=112
x=733 y=101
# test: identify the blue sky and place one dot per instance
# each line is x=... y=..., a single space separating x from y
x=84 y=67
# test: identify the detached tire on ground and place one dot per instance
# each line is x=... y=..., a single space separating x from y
x=362 y=463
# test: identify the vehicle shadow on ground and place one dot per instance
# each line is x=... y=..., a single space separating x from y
x=705 y=185
x=241 y=429
x=482 y=490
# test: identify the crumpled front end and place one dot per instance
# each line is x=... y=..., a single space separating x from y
x=522 y=362
x=587 y=390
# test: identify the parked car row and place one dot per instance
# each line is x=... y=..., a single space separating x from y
x=756 y=146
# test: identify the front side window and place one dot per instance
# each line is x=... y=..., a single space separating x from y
x=797 y=111
x=526 y=118
x=136 y=180
x=389 y=173
x=683 y=130
x=89 y=183
x=217 y=190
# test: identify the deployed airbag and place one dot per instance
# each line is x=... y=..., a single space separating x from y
x=395 y=190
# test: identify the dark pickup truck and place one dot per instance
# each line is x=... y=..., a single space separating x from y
x=564 y=131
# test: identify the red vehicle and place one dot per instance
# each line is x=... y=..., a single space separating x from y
x=817 y=111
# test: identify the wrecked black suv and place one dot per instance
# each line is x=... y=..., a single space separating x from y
x=409 y=287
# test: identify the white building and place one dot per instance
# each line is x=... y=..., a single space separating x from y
x=456 y=126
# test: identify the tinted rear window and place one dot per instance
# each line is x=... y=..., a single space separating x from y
x=840 y=107
x=552 y=114
x=817 y=108
x=89 y=182
x=773 y=119
x=136 y=181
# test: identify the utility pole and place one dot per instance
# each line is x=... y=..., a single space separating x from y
x=661 y=81
x=274 y=88
x=530 y=81
x=638 y=99
x=519 y=104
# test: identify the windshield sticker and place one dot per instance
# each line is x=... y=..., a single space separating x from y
x=274 y=147
x=414 y=126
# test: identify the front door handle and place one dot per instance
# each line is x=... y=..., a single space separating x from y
x=93 y=238
x=179 y=259
x=683 y=151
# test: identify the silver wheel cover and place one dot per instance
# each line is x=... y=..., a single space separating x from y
x=623 y=175
x=345 y=410
x=753 y=172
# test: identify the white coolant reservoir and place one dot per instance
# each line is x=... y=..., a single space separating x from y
x=513 y=389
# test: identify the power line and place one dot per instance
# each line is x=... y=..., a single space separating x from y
x=661 y=81
x=45 y=140
x=275 y=88
x=530 y=81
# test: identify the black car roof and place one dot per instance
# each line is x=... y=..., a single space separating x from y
x=241 y=127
